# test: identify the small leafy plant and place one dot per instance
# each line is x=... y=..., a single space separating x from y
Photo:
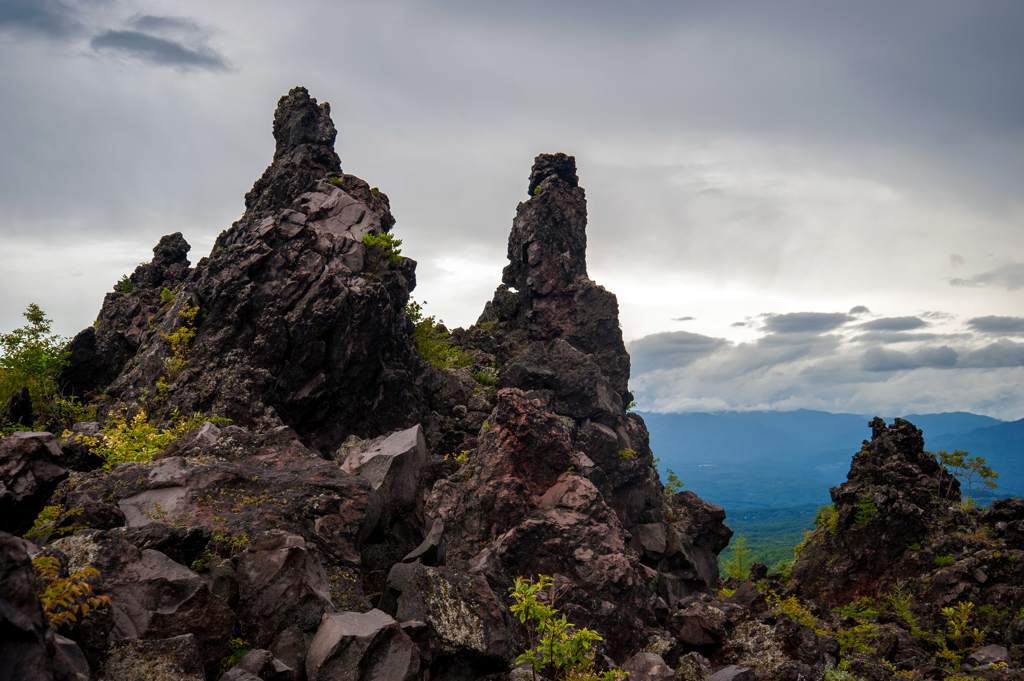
x=674 y=484
x=555 y=648
x=65 y=599
x=828 y=517
x=485 y=375
x=125 y=285
x=45 y=524
x=221 y=545
x=181 y=341
x=944 y=561
x=239 y=648
x=627 y=454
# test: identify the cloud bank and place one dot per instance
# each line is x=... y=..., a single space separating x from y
x=823 y=361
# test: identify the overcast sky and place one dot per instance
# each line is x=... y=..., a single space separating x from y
x=798 y=204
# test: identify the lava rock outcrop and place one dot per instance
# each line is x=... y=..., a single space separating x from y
x=290 y=327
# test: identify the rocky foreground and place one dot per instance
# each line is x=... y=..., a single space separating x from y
x=364 y=513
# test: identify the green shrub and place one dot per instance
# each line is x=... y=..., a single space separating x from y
x=828 y=517
x=381 y=250
x=338 y=182
x=627 y=454
x=122 y=440
x=239 y=648
x=433 y=342
x=125 y=285
x=167 y=295
x=674 y=484
x=31 y=356
x=944 y=561
x=554 y=647
x=914 y=547
x=221 y=545
x=866 y=509
x=969 y=470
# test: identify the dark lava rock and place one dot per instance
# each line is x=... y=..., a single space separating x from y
x=17 y=408
x=896 y=477
x=31 y=467
x=545 y=287
x=24 y=650
x=292 y=328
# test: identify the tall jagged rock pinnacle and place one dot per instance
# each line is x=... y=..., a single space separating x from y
x=293 y=324
x=305 y=135
x=545 y=284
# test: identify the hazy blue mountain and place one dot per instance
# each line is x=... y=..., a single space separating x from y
x=765 y=459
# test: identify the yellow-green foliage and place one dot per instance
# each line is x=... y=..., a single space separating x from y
x=554 y=647
x=828 y=517
x=64 y=599
x=433 y=342
x=627 y=454
x=181 y=341
x=138 y=440
x=674 y=484
x=45 y=523
x=958 y=639
x=221 y=545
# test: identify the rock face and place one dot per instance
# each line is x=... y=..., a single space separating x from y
x=329 y=526
x=894 y=493
x=24 y=651
x=289 y=325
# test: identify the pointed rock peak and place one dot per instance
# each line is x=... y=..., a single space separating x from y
x=545 y=287
x=547 y=247
x=557 y=165
x=305 y=136
x=299 y=120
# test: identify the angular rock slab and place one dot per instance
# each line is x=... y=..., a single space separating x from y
x=30 y=470
x=281 y=583
x=352 y=646
x=23 y=650
x=733 y=673
x=172 y=659
x=393 y=466
x=464 y=617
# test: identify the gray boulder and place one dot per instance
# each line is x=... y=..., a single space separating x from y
x=648 y=667
x=173 y=659
x=393 y=466
x=351 y=646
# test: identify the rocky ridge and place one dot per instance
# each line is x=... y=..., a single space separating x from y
x=364 y=513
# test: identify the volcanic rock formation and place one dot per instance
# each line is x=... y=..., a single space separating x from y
x=365 y=513
x=290 y=326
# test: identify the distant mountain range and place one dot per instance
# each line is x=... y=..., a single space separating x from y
x=766 y=459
